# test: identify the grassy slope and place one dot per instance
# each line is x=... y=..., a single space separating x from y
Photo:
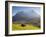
x=27 y=27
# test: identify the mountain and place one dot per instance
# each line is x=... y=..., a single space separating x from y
x=26 y=17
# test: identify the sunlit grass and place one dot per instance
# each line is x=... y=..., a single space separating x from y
x=27 y=27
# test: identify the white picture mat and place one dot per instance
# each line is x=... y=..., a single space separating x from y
x=24 y=31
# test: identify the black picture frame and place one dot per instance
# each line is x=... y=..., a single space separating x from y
x=6 y=18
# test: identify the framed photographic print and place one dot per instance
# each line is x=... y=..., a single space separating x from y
x=24 y=18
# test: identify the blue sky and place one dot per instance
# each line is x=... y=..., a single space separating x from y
x=16 y=9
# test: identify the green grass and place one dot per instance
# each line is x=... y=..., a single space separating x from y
x=27 y=27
